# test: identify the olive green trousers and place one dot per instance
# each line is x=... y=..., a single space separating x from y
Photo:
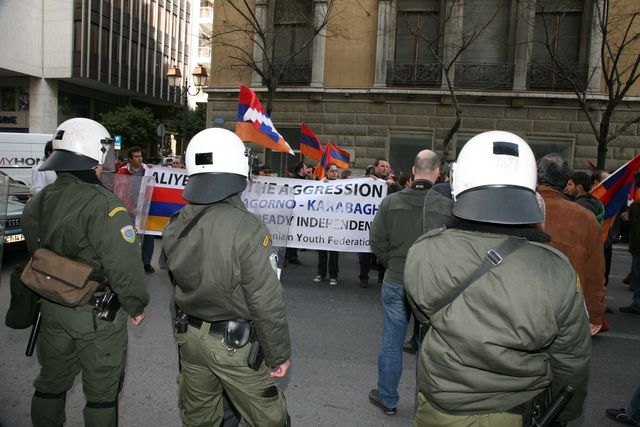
x=208 y=369
x=71 y=341
x=428 y=416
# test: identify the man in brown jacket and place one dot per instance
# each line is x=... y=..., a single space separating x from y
x=576 y=233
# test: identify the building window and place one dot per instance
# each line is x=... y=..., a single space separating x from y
x=487 y=62
x=542 y=146
x=403 y=149
x=292 y=30
x=8 y=98
x=416 y=41
x=557 y=39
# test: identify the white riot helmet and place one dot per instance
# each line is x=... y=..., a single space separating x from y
x=217 y=164
x=494 y=180
x=79 y=144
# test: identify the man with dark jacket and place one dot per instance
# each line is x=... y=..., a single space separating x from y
x=225 y=272
x=506 y=311
x=578 y=187
x=395 y=227
x=576 y=233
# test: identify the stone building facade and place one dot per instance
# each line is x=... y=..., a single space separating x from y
x=358 y=95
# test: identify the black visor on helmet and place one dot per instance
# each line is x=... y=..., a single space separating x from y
x=499 y=205
x=63 y=160
x=205 y=188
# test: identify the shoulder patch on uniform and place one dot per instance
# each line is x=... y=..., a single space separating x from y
x=128 y=233
x=266 y=240
x=273 y=260
x=116 y=210
x=578 y=287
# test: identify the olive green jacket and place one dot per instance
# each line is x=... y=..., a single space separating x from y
x=86 y=222
x=224 y=269
x=517 y=329
x=395 y=227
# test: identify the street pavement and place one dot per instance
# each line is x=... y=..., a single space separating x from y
x=335 y=335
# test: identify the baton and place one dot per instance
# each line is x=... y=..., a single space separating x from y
x=33 y=336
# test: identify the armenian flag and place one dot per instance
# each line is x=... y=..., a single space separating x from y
x=614 y=191
x=254 y=125
x=309 y=143
x=332 y=154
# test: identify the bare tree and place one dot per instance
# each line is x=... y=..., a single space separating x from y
x=617 y=31
x=447 y=46
x=270 y=38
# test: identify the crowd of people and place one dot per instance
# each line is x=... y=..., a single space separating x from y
x=498 y=338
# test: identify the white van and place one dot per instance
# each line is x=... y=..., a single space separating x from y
x=19 y=152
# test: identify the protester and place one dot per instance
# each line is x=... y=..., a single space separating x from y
x=577 y=188
x=84 y=221
x=395 y=227
x=177 y=163
x=504 y=331
x=404 y=180
x=629 y=415
x=346 y=174
x=136 y=167
x=634 y=248
x=576 y=233
x=379 y=170
x=42 y=178
x=331 y=173
x=228 y=292
x=596 y=178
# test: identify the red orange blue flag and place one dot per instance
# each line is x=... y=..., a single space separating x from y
x=309 y=143
x=332 y=154
x=614 y=191
x=254 y=125
x=340 y=157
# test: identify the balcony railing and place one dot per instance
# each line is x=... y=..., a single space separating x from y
x=549 y=77
x=293 y=72
x=483 y=76
x=407 y=73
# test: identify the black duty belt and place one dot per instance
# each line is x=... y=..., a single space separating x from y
x=217 y=327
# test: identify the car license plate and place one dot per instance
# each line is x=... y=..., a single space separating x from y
x=14 y=238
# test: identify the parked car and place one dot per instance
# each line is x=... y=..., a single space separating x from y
x=18 y=189
x=13 y=225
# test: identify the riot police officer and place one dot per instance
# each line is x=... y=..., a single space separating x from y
x=82 y=220
x=227 y=288
x=507 y=316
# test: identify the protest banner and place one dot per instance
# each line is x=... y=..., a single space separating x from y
x=332 y=215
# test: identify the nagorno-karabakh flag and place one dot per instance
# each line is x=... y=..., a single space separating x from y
x=254 y=125
x=167 y=197
x=309 y=143
x=614 y=191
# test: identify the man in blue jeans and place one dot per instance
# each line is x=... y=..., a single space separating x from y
x=630 y=415
x=395 y=227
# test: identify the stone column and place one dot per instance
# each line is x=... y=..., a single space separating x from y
x=595 y=41
x=319 y=17
x=523 y=44
x=258 y=53
x=43 y=105
x=383 y=42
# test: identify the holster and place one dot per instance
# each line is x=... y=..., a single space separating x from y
x=238 y=333
x=533 y=409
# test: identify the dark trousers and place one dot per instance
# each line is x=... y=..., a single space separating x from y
x=608 y=253
x=148 y=244
x=333 y=263
x=367 y=260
